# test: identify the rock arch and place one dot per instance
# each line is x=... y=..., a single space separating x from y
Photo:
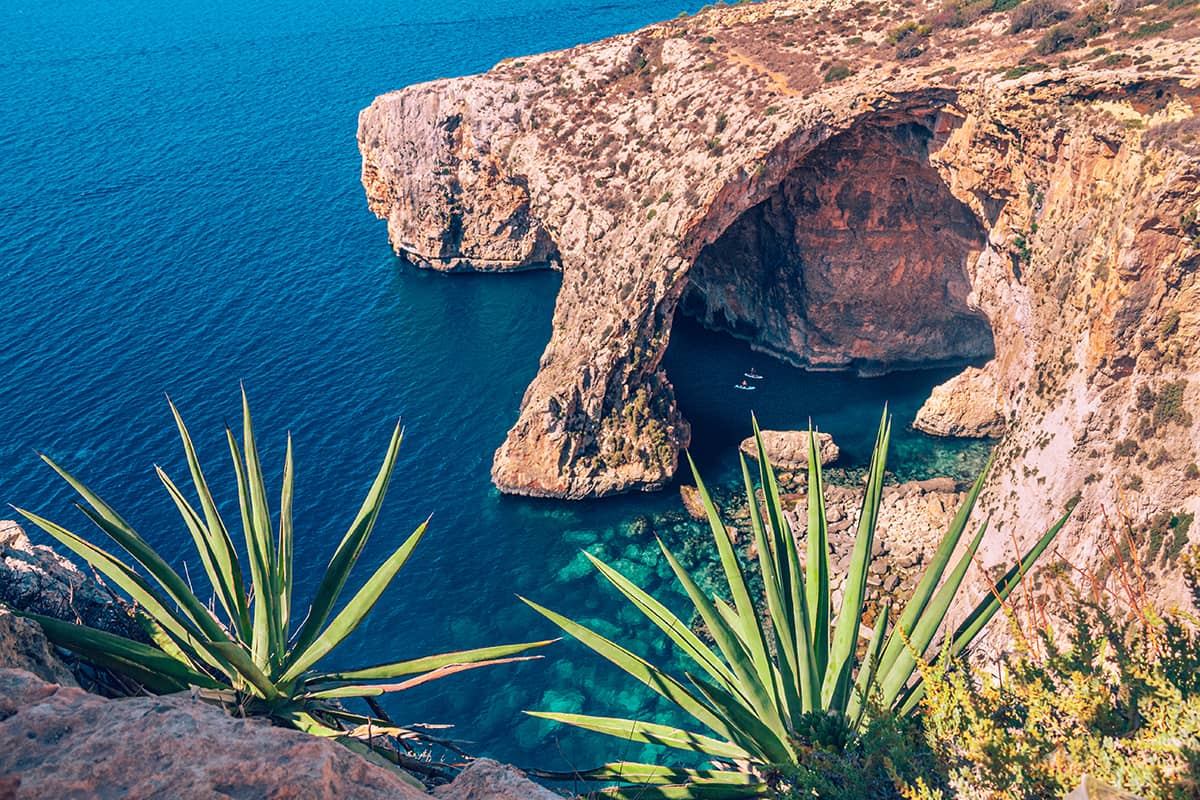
x=857 y=259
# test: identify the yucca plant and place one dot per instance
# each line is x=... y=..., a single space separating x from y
x=764 y=689
x=248 y=651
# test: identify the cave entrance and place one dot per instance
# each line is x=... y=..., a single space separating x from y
x=858 y=260
x=854 y=271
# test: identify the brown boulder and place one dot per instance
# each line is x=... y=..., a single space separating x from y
x=60 y=742
x=486 y=779
x=24 y=646
x=969 y=404
x=789 y=449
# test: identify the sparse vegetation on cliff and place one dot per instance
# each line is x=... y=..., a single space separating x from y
x=1118 y=700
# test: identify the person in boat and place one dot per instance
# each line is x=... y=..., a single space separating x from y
x=745 y=385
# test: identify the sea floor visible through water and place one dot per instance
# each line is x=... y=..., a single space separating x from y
x=182 y=213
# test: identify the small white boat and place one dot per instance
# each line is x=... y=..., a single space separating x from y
x=745 y=387
x=752 y=375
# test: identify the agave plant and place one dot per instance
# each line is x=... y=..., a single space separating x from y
x=764 y=688
x=254 y=656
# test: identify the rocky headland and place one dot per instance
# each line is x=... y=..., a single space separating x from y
x=845 y=185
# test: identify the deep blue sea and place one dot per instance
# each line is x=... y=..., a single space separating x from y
x=180 y=211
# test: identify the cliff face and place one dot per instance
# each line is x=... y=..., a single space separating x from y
x=939 y=203
x=828 y=270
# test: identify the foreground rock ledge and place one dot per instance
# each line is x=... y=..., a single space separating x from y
x=59 y=741
x=936 y=208
x=63 y=742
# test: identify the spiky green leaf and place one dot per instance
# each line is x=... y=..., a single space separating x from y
x=355 y=611
x=347 y=553
x=648 y=733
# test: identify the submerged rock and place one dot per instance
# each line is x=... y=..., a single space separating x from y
x=788 y=450
x=692 y=504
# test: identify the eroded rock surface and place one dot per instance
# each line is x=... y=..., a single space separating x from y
x=35 y=578
x=24 y=646
x=788 y=450
x=893 y=216
x=61 y=742
x=486 y=779
x=840 y=267
x=969 y=404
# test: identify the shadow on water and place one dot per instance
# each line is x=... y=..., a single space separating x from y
x=706 y=367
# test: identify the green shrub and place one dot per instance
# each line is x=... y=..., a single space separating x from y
x=1037 y=14
x=887 y=761
x=1170 y=324
x=1121 y=703
x=773 y=692
x=1169 y=408
x=1150 y=29
x=246 y=650
x=1075 y=32
x=837 y=72
x=909 y=29
x=1059 y=38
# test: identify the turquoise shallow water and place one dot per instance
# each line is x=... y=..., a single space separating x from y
x=181 y=211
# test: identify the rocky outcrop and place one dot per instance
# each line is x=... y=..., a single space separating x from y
x=34 y=578
x=788 y=450
x=485 y=779
x=59 y=742
x=843 y=188
x=24 y=646
x=969 y=404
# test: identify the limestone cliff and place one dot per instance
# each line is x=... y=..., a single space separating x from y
x=844 y=185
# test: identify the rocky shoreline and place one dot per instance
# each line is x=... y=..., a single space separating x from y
x=913 y=517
